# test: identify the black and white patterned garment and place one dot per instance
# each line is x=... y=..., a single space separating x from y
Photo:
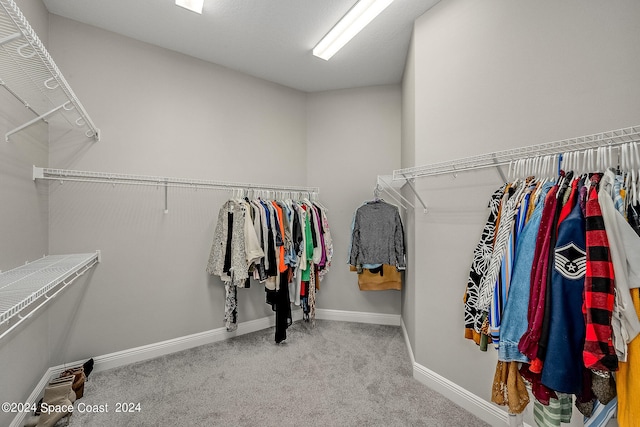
x=508 y=211
x=227 y=258
x=480 y=264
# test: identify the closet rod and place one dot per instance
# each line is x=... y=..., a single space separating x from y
x=500 y=158
x=118 y=178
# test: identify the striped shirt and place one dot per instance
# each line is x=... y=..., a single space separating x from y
x=558 y=411
x=599 y=353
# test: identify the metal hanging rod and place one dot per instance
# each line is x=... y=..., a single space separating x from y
x=501 y=158
x=118 y=178
x=29 y=73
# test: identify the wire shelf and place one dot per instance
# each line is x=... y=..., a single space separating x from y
x=29 y=73
x=500 y=158
x=22 y=286
x=119 y=178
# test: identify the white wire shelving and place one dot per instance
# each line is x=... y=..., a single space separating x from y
x=120 y=178
x=505 y=157
x=64 y=175
x=28 y=72
x=392 y=187
x=22 y=287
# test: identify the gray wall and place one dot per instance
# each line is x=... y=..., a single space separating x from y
x=24 y=230
x=161 y=113
x=408 y=154
x=488 y=76
x=353 y=135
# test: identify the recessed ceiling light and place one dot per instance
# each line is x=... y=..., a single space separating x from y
x=193 y=5
x=355 y=20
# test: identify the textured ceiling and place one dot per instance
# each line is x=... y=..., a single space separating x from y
x=269 y=39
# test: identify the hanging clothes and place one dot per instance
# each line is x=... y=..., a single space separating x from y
x=625 y=256
x=515 y=311
x=563 y=277
x=599 y=353
x=628 y=377
x=507 y=214
x=535 y=314
x=473 y=313
x=227 y=258
x=566 y=321
x=378 y=236
x=276 y=243
x=325 y=266
x=503 y=282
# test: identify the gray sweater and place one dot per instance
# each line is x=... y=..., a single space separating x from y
x=378 y=236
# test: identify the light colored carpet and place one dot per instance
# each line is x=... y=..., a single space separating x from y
x=336 y=374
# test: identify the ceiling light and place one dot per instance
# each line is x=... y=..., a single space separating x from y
x=193 y=5
x=355 y=20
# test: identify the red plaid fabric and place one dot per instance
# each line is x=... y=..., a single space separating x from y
x=599 y=353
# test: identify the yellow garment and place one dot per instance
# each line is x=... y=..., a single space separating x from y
x=390 y=280
x=509 y=387
x=628 y=379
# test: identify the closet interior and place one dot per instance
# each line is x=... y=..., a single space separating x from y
x=143 y=260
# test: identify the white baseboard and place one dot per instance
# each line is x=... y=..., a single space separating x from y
x=462 y=397
x=162 y=348
x=358 y=317
x=479 y=407
x=407 y=342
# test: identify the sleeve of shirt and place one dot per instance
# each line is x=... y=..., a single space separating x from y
x=399 y=242
x=355 y=240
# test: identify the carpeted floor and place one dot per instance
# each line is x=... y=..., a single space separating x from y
x=336 y=374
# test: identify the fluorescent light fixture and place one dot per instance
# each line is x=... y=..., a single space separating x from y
x=193 y=5
x=351 y=24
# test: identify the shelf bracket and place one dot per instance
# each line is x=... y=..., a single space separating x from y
x=32 y=121
x=424 y=205
x=495 y=160
x=387 y=185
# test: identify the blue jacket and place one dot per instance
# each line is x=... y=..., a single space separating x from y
x=514 y=317
x=562 y=370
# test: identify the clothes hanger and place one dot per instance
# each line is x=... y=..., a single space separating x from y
x=517 y=168
x=571 y=157
x=591 y=161
x=510 y=170
x=580 y=162
x=623 y=167
x=542 y=164
x=564 y=162
x=317 y=202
